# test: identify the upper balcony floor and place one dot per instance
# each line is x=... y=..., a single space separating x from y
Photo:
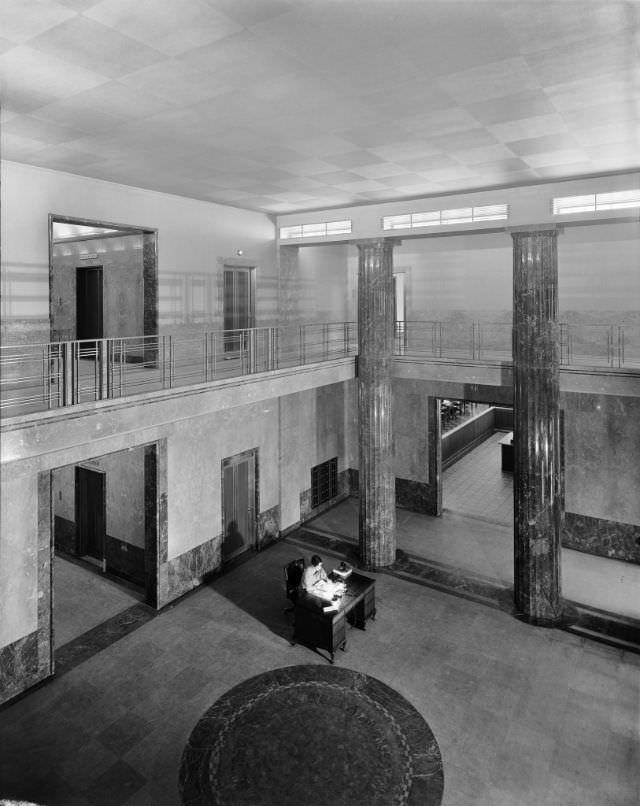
x=43 y=377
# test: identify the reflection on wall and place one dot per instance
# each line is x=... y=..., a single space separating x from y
x=25 y=303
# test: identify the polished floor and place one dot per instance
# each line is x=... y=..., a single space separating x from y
x=109 y=598
x=475 y=535
x=523 y=716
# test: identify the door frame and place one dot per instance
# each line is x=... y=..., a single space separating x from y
x=252 y=456
x=149 y=270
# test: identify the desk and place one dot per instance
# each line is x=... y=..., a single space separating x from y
x=328 y=631
x=506 y=448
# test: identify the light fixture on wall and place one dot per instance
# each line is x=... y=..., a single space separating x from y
x=240 y=252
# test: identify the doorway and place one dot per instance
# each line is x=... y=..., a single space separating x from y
x=239 y=504
x=238 y=311
x=91 y=513
x=89 y=308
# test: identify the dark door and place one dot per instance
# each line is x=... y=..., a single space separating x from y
x=91 y=512
x=238 y=504
x=89 y=306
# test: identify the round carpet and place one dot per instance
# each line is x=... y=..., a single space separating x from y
x=311 y=735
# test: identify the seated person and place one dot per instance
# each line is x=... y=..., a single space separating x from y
x=316 y=582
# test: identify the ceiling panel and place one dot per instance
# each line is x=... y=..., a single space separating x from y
x=283 y=105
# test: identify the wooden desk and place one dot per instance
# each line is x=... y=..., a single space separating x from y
x=506 y=448
x=328 y=631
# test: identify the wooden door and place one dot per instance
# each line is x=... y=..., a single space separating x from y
x=91 y=512
x=238 y=505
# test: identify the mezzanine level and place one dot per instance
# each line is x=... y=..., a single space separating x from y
x=42 y=377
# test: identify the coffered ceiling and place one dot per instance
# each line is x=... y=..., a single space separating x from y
x=284 y=105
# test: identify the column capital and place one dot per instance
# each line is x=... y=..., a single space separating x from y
x=535 y=229
x=376 y=243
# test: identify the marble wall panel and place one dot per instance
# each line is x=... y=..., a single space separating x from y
x=19 y=667
x=620 y=541
x=602 y=471
x=268 y=526
x=65 y=535
x=125 y=560
x=192 y=568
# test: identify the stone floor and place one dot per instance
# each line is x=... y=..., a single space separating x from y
x=109 y=598
x=522 y=715
x=475 y=534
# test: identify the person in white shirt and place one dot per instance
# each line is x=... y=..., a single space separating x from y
x=315 y=579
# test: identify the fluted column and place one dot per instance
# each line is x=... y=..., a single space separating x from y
x=537 y=471
x=377 y=529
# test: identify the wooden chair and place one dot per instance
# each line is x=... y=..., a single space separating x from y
x=293 y=572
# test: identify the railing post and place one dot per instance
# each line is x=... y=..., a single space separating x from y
x=610 y=348
x=620 y=346
x=102 y=359
x=302 y=344
x=171 y=361
x=69 y=396
x=205 y=356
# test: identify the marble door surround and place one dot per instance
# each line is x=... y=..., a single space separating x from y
x=537 y=488
x=377 y=520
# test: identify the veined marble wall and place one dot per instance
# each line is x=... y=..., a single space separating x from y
x=602 y=474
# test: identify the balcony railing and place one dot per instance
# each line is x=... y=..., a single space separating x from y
x=613 y=346
x=46 y=376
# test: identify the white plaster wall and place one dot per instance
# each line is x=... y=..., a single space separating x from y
x=192 y=235
x=196 y=449
x=18 y=556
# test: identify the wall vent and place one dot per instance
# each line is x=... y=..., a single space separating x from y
x=324 y=482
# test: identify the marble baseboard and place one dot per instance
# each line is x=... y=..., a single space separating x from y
x=268 y=527
x=65 y=535
x=619 y=541
x=22 y=665
x=189 y=570
x=417 y=496
x=125 y=560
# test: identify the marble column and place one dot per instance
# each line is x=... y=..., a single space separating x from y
x=537 y=471
x=377 y=528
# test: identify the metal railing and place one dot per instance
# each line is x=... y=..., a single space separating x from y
x=46 y=376
x=614 y=346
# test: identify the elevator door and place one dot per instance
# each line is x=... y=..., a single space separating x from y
x=238 y=504
x=238 y=306
x=91 y=512
x=89 y=307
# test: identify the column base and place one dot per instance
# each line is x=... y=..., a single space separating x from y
x=567 y=616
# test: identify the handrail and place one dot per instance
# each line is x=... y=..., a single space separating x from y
x=37 y=377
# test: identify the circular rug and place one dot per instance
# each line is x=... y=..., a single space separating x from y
x=311 y=735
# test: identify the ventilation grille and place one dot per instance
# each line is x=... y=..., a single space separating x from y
x=439 y=218
x=324 y=482
x=320 y=230
x=595 y=202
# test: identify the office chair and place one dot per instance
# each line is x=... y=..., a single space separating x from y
x=292 y=577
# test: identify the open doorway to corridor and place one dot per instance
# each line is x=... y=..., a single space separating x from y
x=104 y=539
x=477 y=460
